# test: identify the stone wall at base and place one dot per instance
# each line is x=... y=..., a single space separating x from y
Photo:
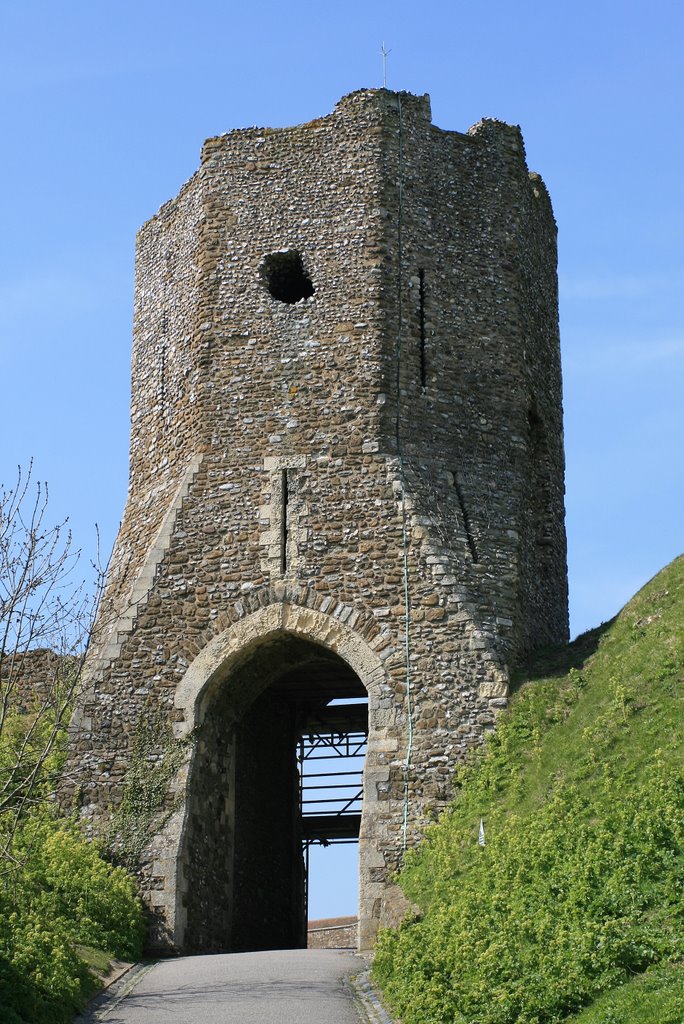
x=332 y=933
x=38 y=678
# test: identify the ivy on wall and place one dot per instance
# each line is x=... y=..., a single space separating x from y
x=148 y=801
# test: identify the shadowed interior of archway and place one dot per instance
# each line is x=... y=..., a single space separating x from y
x=244 y=884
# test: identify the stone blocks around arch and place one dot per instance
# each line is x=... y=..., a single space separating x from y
x=329 y=630
x=212 y=669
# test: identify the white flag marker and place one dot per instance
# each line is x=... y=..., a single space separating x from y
x=481 y=837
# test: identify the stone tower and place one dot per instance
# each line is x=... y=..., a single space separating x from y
x=346 y=479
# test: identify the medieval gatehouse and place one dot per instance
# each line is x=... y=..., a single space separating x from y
x=344 y=524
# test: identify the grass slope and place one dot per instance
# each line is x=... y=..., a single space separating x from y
x=574 y=906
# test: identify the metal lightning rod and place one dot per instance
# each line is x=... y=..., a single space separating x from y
x=384 y=53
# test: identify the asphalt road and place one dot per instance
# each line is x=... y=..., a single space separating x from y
x=294 y=986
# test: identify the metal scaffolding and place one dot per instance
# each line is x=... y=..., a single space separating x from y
x=330 y=757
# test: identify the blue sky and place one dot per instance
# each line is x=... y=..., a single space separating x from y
x=105 y=108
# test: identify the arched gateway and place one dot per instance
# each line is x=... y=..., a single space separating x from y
x=254 y=691
x=346 y=482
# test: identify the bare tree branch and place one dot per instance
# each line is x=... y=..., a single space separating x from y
x=46 y=619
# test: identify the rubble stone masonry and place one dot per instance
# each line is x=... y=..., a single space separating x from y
x=301 y=465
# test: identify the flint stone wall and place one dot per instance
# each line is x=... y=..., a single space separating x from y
x=414 y=401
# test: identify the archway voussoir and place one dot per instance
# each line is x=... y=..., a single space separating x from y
x=233 y=689
x=222 y=621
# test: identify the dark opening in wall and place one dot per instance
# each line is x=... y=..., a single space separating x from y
x=162 y=363
x=466 y=519
x=279 y=771
x=284 y=525
x=540 y=478
x=534 y=421
x=421 y=317
x=284 y=275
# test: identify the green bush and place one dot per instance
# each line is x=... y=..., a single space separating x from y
x=61 y=896
x=42 y=978
x=68 y=879
x=60 y=902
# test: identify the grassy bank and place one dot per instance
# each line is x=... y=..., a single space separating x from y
x=574 y=905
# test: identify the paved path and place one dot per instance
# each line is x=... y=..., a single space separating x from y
x=294 y=986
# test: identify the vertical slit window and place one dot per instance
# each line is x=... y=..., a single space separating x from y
x=284 y=522
x=162 y=363
x=466 y=520
x=421 y=321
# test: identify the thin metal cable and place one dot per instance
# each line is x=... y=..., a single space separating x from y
x=402 y=481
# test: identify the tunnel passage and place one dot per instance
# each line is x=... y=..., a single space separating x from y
x=252 y=812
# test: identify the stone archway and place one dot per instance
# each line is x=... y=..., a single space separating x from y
x=238 y=783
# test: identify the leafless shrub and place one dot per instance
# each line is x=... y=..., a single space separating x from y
x=46 y=617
